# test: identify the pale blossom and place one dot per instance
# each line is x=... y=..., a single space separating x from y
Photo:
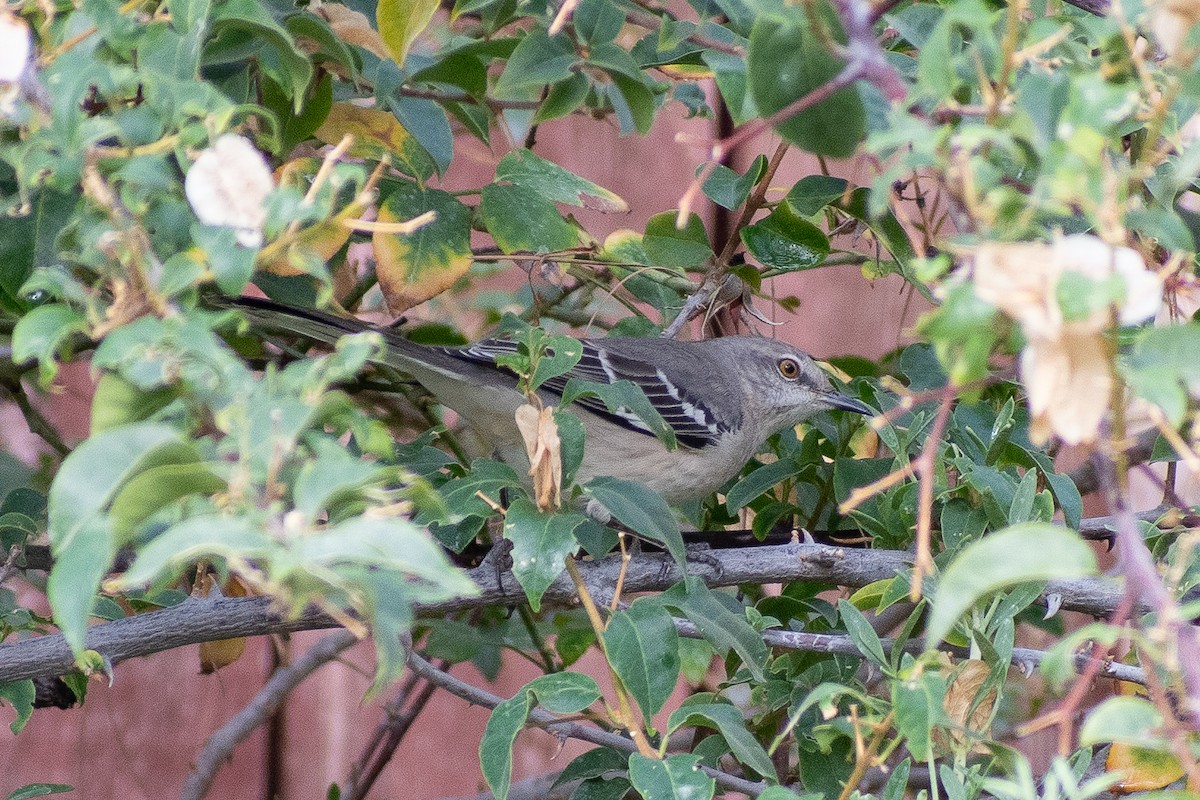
x=1171 y=20
x=16 y=47
x=1066 y=366
x=228 y=185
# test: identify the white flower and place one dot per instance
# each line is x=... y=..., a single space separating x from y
x=16 y=47
x=1098 y=260
x=1066 y=366
x=227 y=186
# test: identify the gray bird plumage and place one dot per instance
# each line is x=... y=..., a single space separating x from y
x=722 y=397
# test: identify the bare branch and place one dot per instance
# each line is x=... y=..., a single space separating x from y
x=840 y=644
x=220 y=745
x=203 y=620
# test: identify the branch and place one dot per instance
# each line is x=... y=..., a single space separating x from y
x=1084 y=476
x=388 y=734
x=220 y=745
x=651 y=21
x=202 y=620
x=841 y=644
x=564 y=730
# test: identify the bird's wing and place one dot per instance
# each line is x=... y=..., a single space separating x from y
x=694 y=424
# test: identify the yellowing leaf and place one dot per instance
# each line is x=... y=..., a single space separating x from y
x=222 y=652
x=415 y=267
x=1141 y=768
x=376 y=133
x=401 y=22
x=687 y=72
x=353 y=27
x=314 y=245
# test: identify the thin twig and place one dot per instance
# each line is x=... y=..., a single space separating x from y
x=841 y=644
x=563 y=729
x=396 y=723
x=221 y=744
x=925 y=468
x=650 y=20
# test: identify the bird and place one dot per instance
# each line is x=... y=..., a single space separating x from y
x=722 y=397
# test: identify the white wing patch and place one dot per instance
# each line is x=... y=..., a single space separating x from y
x=695 y=425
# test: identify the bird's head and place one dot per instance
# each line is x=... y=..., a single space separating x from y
x=785 y=385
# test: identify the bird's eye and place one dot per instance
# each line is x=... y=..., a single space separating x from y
x=788 y=368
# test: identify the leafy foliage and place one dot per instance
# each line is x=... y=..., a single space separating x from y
x=1028 y=169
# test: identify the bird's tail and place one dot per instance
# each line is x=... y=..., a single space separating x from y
x=325 y=328
x=316 y=325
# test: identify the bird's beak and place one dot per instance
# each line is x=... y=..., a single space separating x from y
x=844 y=403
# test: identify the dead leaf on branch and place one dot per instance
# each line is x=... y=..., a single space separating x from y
x=544 y=449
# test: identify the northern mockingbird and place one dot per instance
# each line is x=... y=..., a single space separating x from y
x=722 y=397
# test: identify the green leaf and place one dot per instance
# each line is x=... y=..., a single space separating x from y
x=785 y=63
x=90 y=476
x=1034 y=551
x=1125 y=720
x=758 y=482
x=118 y=402
x=811 y=194
x=564 y=98
x=521 y=220
x=592 y=764
x=153 y=489
x=495 y=746
x=564 y=692
x=400 y=22
x=231 y=264
x=729 y=722
x=538 y=60
x=523 y=168
x=541 y=544
x=39 y=790
x=640 y=508
x=675 y=777
x=633 y=103
x=723 y=629
x=784 y=793
x=728 y=189
x=278 y=55
x=208 y=536
x=785 y=241
x=1162 y=367
x=561 y=693
x=917 y=703
x=559 y=356
x=76 y=575
x=864 y=636
x=19 y=695
x=897 y=785
x=643 y=650
x=333 y=471
x=669 y=246
x=386 y=544
x=487 y=477
x=601 y=789
x=41 y=333
x=29 y=242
